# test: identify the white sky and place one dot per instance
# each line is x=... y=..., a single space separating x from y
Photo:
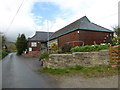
x=101 y=12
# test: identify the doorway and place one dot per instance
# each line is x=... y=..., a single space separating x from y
x=43 y=46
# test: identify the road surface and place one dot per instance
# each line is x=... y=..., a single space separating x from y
x=19 y=72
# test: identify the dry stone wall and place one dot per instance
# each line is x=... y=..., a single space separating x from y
x=85 y=59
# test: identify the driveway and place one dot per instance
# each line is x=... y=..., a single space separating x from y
x=20 y=72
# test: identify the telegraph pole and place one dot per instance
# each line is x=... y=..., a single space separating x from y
x=48 y=35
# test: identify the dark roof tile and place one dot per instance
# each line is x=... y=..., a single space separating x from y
x=83 y=23
x=41 y=36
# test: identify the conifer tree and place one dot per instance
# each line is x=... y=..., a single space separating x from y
x=21 y=44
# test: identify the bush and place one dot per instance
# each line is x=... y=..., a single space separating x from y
x=59 y=51
x=4 y=53
x=53 y=46
x=66 y=48
x=116 y=41
x=44 y=55
x=90 y=48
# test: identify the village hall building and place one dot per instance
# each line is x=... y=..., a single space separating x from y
x=80 y=32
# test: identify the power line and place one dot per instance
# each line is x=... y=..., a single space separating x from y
x=14 y=16
x=107 y=17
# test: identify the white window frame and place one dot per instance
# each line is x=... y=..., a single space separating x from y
x=33 y=44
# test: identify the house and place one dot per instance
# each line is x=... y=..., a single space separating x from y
x=80 y=32
x=39 y=41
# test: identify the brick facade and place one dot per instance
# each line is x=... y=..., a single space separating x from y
x=73 y=36
x=91 y=37
x=37 y=48
x=88 y=37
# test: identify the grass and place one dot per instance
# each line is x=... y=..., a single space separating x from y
x=3 y=54
x=87 y=72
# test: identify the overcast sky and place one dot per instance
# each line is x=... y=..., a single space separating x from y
x=34 y=15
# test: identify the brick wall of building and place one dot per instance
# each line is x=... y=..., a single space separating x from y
x=35 y=48
x=91 y=37
x=88 y=37
x=74 y=36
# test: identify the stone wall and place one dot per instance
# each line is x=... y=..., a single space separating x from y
x=85 y=59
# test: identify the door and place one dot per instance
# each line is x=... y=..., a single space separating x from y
x=44 y=46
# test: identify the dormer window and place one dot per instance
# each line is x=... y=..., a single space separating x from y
x=33 y=44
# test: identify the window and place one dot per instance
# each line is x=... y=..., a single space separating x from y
x=34 y=44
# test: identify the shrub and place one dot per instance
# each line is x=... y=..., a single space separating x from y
x=4 y=53
x=59 y=51
x=90 y=48
x=116 y=41
x=66 y=48
x=53 y=46
x=113 y=62
x=44 y=55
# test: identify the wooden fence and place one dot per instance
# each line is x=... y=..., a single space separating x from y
x=115 y=53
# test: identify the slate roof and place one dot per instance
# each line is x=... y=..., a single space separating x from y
x=40 y=36
x=83 y=23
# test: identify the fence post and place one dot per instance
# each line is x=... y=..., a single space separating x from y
x=110 y=53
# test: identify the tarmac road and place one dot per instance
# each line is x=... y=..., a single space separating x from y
x=17 y=72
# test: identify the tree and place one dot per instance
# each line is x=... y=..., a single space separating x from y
x=117 y=30
x=3 y=41
x=3 y=46
x=21 y=44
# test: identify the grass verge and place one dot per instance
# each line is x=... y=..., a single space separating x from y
x=87 y=72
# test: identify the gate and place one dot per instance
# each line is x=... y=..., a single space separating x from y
x=115 y=53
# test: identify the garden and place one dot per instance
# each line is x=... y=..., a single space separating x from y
x=67 y=49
